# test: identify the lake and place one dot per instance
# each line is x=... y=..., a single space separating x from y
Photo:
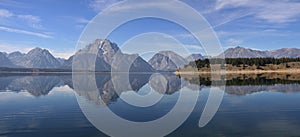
x=47 y=104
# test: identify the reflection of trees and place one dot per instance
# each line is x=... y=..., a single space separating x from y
x=241 y=80
x=242 y=84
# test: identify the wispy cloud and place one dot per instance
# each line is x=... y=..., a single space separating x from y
x=5 y=47
x=194 y=47
x=11 y=21
x=235 y=42
x=25 y=32
x=12 y=3
x=82 y=20
x=32 y=21
x=20 y=19
x=5 y=13
x=274 y=11
x=99 y=5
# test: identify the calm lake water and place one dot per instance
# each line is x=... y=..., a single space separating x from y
x=253 y=105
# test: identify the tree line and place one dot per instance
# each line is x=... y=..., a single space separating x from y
x=242 y=61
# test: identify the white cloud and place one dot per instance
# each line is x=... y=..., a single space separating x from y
x=82 y=20
x=99 y=5
x=194 y=47
x=233 y=41
x=25 y=32
x=274 y=11
x=5 y=13
x=5 y=47
x=9 y=18
x=32 y=21
x=13 y=3
x=62 y=54
x=30 y=18
x=220 y=4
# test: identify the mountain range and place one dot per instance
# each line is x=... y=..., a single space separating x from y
x=240 y=52
x=111 y=57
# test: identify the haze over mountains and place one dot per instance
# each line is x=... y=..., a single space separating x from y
x=110 y=56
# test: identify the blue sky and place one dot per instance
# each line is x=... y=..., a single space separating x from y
x=57 y=24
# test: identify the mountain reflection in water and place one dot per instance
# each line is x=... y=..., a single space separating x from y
x=238 y=84
x=44 y=104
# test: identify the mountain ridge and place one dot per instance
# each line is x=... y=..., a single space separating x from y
x=106 y=51
x=241 y=52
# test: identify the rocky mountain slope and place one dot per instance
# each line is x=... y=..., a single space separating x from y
x=167 y=61
x=4 y=61
x=35 y=58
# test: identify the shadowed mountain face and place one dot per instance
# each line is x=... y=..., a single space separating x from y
x=167 y=61
x=14 y=55
x=108 y=57
x=240 y=52
x=4 y=61
x=194 y=57
x=67 y=64
x=36 y=58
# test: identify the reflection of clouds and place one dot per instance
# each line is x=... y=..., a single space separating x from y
x=63 y=89
x=278 y=128
x=246 y=90
x=265 y=114
x=5 y=96
x=22 y=114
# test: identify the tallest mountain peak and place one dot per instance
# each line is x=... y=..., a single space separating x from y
x=102 y=45
x=38 y=50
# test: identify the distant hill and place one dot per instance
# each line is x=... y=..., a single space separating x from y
x=194 y=57
x=240 y=52
x=284 y=53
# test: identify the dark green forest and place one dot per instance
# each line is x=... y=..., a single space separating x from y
x=242 y=61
